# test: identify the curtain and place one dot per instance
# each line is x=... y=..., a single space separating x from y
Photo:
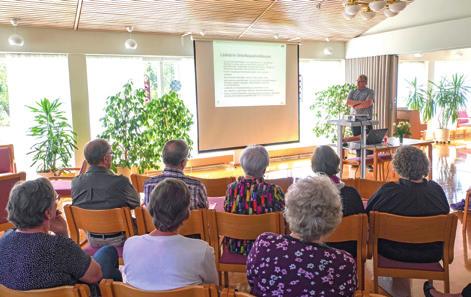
x=382 y=78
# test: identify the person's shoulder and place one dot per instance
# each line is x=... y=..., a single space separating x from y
x=343 y=256
x=189 y=180
x=348 y=190
x=134 y=240
x=61 y=242
x=270 y=237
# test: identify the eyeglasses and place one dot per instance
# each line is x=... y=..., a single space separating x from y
x=361 y=81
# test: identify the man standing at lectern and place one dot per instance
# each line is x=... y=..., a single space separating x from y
x=361 y=102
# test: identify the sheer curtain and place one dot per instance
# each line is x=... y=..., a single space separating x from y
x=30 y=78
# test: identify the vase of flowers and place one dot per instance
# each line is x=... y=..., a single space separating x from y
x=402 y=128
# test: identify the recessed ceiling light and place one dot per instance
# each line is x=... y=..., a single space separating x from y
x=276 y=36
x=418 y=55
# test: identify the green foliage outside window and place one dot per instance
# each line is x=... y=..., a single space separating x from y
x=330 y=104
x=4 y=103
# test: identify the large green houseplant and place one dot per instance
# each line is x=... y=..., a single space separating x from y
x=330 y=104
x=55 y=139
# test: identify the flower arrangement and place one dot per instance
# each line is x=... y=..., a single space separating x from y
x=402 y=128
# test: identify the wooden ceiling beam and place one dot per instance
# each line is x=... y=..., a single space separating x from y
x=78 y=12
x=257 y=19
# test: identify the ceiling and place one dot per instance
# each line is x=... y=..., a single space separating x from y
x=245 y=19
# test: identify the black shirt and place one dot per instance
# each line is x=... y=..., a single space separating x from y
x=99 y=188
x=38 y=260
x=415 y=200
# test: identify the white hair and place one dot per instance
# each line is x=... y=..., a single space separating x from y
x=254 y=160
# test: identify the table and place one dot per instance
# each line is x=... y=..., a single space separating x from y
x=216 y=203
x=63 y=187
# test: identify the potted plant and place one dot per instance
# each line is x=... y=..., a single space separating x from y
x=402 y=129
x=55 y=138
x=330 y=104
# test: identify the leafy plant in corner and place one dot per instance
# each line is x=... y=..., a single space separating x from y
x=330 y=104
x=55 y=138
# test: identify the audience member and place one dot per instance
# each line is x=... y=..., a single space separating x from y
x=33 y=258
x=175 y=156
x=412 y=196
x=251 y=194
x=325 y=161
x=164 y=260
x=99 y=188
x=300 y=264
x=430 y=291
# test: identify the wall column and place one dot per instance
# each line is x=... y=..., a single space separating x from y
x=79 y=102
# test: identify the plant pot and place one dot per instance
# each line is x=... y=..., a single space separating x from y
x=442 y=135
x=47 y=174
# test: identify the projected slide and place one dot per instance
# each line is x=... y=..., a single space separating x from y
x=249 y=73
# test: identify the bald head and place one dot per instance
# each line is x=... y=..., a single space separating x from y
x=96 y=150
x=175 y=152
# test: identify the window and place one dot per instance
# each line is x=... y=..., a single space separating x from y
x=157 y=75
x=30 y=78
x=316 y=75
x=406 y=73
x=4 y=101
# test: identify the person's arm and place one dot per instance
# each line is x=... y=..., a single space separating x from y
x=129 y=194
x=364 y=104
x=209 y=273
x=93 y=274
x=279 y=199
x=58 y=225
x=202 y=197
x=353 y=103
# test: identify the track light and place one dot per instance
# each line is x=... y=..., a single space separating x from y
x=15 y=39
x=130 y=43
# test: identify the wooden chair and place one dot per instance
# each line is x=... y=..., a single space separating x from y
x=216 y=187
x=99 y=222
x=365 y=187
x=244 y=227
x=7 y=181
x=69 y=173
x=229 y=292
x=367 y=294
x=7 y=159
x=284 y=182
x=354 y=228
x=441 y=228
x=383 y=158
x=466 y=210
x=195 y=224
x=138 y=180
x=109 y=288
x=79 y=290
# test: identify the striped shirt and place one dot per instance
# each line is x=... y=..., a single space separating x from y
x=198 y=195
x=251 y=196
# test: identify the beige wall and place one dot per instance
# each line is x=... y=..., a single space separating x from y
x=79 y=43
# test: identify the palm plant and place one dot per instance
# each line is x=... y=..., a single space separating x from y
x=55 y=138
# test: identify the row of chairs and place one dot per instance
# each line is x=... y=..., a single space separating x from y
x=109 y=288
x=212 y=226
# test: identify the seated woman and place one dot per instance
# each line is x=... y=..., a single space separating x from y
x=300 y=264
x=412 y=196
x=162 y=259
x=325 y=161
x=33 y=258
x=251 y=194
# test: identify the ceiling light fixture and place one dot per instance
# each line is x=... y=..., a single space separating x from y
x=202 y=33
x=130 y=43
x=418 y=55
x=15 y=39
x=294 y=39
x=369 y=8
x=276 y=36
x=328 y=51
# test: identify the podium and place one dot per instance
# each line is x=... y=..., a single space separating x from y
x=348 y=123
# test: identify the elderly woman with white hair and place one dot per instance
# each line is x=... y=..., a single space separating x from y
x=250 y=194
x=412 y=196
x=300 y=264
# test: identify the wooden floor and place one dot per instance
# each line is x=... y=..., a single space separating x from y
x=451 y=169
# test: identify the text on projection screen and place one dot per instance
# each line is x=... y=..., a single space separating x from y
x=249 y=74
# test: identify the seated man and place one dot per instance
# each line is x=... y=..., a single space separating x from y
x=175 y=155
x=99 y=188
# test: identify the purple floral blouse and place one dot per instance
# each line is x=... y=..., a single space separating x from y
x=280 y=265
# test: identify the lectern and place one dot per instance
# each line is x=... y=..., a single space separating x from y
x=353 y=123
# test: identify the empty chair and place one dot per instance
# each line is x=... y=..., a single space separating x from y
x=7 y=159
x=229 y=292
x=78 y=290
x=283 y=182
x=365 y=187
x=466 y=210
x=196 y=224
x=440 y=228
x=109 y=288
x=216 y=187
x=138 y=180
x=7 y=181
x=354 y=228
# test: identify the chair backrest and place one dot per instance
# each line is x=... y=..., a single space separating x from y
x=245 y=227
x=367 y=294
x=7 y=159
x=365 y=187
x=216 y=187
x=229 y=292
x=7 y=181
x=138 y=180
x=98 y=221
x=195 y=224
x=284 y=182
x=352 y=228
x=79 y=290
x=440 y=228
x=109 y=288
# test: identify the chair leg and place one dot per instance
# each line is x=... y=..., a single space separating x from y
x=226 y=279
x=375 y=283
x=465 y=212
x=447 y=284
x=220 y=279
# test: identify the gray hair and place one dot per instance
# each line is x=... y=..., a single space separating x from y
x=313 y=207
x=325 y=160
x=174 y=152
x=96 y=150
x=411 y=163
x=254 y=160
x=169 y=204
x=28 y=201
